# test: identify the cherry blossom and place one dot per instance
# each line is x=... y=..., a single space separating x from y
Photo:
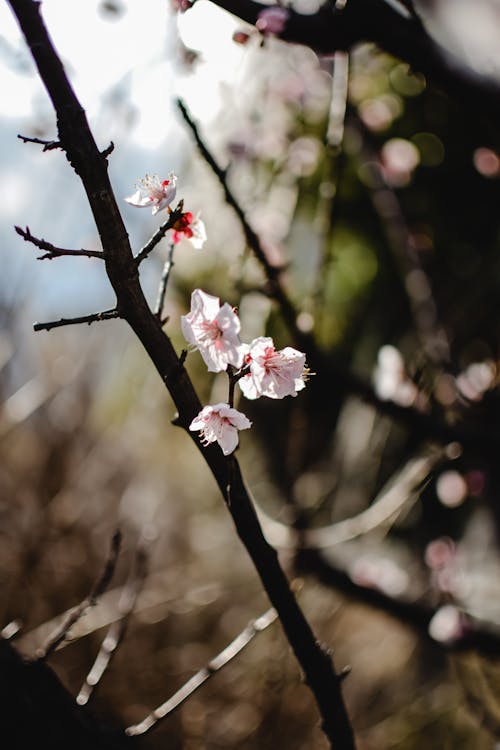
x=213 y=330
x=220 y=422
x=192 y=228
x=151 y=191
x=274 y=374
x=272 y=20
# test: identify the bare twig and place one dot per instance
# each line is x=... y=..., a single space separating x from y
x=338 y=101
x=204 y=674
x=104 y=315
x=116 y=632
x=387 y=206
x=160 y=233
x=402 y=490
x=162 y=290
x=109 y=150
x=47 y=145
x=276 y=289
x=51 y=250
x=61 y=633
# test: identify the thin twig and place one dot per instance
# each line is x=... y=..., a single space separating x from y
x=204 y=674
x=160 y=233
x=415 y=282
x=273 y=273
x=51 y=250
x=104 y=315
x=117 y=630
x=109 y=150
x=102 y=583
x=162 y=289
x=47 y=145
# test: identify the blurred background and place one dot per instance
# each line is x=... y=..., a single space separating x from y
x=379 y=196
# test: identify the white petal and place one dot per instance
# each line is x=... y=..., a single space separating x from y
x=138 y=199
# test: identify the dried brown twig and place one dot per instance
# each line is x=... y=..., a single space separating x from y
x=102 y=583
x=205 y=673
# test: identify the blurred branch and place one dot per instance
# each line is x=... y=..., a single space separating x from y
x=99 y=587
x=122 y=269
x=51 y=250
x=104 y=315
x=272 y=273
x=402 y=34
x=162 y=290
x=160 y=233
x=47 y=145
x=116 y=632
x=400 y=491
x=415 y=282
x=108 y=150
x=11 y=630
x=477 y=636
x=204 y=674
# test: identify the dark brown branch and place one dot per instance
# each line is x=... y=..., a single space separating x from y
x=122 y=269
x=47 y=145
x=102 y=583
x=117 y=630
x=204 y=674
x=39 y=712
x=109 y=150
x=104 y=315
x=55 y=252
x=160 y=233
x=478 y=636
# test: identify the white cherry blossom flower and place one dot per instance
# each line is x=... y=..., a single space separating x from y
x=220 y=422
x=151 y=191
x=213 y=330
x=274 y=374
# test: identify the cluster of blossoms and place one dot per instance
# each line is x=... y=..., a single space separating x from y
x=259 y=369
x=213 y=329
x=158 y=195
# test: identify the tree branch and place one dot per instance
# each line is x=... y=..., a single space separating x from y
x=122 y=269
x=204 y=674
x=478 y=636
x=160 y=233
x=52 y=251
x=116 y=631
x=105 y=315
x=47 y=145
